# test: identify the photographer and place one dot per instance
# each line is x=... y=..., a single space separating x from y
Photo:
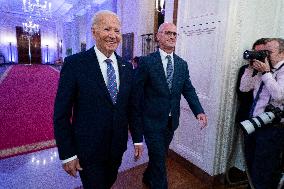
x=245 y=99
x=268 y=88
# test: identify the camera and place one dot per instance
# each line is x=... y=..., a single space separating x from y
x=258 y=55
x=271 y=115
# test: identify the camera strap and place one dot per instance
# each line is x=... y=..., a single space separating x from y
x=279 y=67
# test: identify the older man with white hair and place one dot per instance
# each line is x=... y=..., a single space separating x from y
x=93 y=108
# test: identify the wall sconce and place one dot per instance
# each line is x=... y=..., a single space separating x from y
x=47 y=60
x=11 y=53
x=60 y=46
x=59 y=51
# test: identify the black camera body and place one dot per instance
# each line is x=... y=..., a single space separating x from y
x=272 y=114
x=258 y=55
x=279 y=114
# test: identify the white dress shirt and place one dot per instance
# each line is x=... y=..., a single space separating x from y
x=103 y=65
x=165 y=60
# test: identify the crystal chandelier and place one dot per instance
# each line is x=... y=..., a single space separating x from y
x=30 y=28
x=42 y=10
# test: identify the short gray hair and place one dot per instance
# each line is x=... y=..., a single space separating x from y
x=280 y=42
x=97 y=17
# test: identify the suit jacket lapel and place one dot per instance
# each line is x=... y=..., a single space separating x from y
x=122 y=77
x=177 y=71
x=160 y=70
x=96 y=74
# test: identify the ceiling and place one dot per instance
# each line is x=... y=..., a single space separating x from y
x=59 y=8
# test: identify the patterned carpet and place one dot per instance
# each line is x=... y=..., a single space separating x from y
x=26 y=101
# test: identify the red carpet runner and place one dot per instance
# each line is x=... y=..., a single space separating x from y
x=26 y=108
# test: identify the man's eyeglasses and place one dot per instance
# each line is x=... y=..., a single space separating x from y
x=169 y=33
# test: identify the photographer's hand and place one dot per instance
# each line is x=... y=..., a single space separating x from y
x=261 y=66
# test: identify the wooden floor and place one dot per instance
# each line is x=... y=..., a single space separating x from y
x=178 y=177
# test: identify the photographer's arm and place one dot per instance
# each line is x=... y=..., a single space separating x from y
x=275 y=86
x=274 y=83
x=247 y=81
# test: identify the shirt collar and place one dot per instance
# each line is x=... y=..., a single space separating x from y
x=164 y=54
x=101 y=57
x=278 y=65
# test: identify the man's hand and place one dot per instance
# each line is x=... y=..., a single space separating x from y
x=138 y=150
x=202 y=119
x=72 y=167
x=261 y=66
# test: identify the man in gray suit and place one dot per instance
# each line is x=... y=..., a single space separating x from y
x=161 y=79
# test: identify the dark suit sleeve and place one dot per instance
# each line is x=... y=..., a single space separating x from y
x=190 y=95
x=63 y=111
x=136 y=126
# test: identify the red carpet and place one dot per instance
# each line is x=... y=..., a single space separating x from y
x=26 y=108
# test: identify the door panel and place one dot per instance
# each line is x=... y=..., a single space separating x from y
x=23 y=47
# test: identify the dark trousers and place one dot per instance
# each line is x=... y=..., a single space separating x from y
x=158 y=145
x=262 y=150
x=100 y=175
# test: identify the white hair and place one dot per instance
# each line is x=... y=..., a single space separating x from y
x=161 y=27
x=97 y=17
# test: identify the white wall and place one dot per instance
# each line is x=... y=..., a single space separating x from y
x=48 y=42
x=8 y=34
x=136 y=16
x=169 y=10
x=200 y=42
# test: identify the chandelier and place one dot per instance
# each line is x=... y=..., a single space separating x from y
x=160 y=6
x=30 y=28
x=41 y=10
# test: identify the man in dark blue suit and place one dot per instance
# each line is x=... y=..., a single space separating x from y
x=93 y=108
x=161 y=79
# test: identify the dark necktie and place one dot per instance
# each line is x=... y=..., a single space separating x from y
x=111 y=82
x=256 y=99
x=170 y=71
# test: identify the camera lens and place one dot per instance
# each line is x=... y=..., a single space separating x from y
x=258 y=55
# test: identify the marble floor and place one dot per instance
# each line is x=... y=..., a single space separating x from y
x=42 y=170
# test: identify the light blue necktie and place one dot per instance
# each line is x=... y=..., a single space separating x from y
x=170 y=71
x=111 y=82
